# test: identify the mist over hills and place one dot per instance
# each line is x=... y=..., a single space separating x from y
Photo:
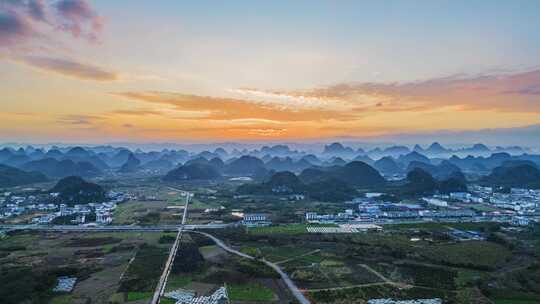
x=335 y=162
x=10 y=176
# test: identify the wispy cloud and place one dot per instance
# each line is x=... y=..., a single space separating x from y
x=268 y=132
x=79 y=120
x=502 y=92
x=282 y=99
x=220 y=108
x=137 y=112
x=70 y=68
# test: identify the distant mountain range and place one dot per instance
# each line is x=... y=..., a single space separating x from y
x=10 y=177
x=356 y=167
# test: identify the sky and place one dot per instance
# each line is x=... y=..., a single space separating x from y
x=207 y=71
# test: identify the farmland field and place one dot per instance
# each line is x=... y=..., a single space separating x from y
x=249 y=292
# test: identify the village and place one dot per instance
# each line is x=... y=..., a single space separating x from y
x=41 y=209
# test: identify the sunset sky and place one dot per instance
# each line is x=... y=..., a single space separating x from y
x=142 y=71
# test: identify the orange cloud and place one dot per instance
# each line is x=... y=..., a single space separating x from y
x=219 y=108
x=346 y=110
x=353 y=110
x=517 y=92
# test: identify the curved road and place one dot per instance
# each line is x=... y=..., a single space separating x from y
x=285 y=277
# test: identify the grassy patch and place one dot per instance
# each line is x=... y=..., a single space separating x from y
x=249 y=292
x=65 y=299
x=207 y=249
x=286 y=229
x=275 y=253
x=17 y=242
x=178 y=281
x=164 y=300
x=477 y=255
x=466 y=277
x=332 y=263
x=252 y=251
x=432 y=277
x=143 y=273
x=117 y=298
x=136 y=296
x=515 y=297
x=282 y=229
x=92 y=242
x=25 y=285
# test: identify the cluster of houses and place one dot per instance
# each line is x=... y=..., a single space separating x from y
x=518 y=207
x=12 y=205
x=103 y=213
x=519 y=201
x=522 y=201
x=369 y=211
x=313 y=217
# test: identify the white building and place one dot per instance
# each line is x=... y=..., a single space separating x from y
x=311 y=216
x=255 y=217
x=435 y=202
x=103 y=218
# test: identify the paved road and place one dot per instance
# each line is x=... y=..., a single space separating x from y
x=285 y=277
x=160 y=288
x=112 y=228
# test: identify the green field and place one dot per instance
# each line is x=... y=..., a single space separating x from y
x=434 y=226
x=143 y=273
x=285 y=229
x=249 y=292
x=164 y=300
x=136 y=296
x=473 y=254
x=282 y=229
x=65 y=299
x=514 y=297
x=177 y=281
x=17 y=242
x=252 y=251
